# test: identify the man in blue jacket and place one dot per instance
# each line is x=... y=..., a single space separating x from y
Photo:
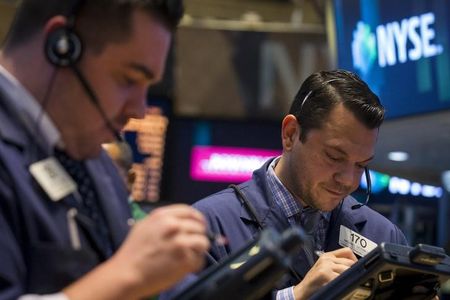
x=72 y=72
x=328 y=141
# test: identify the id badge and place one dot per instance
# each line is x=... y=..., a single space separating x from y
x=359 y=244
x=53 y=178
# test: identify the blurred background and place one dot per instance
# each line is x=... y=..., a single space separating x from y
x=235 y=67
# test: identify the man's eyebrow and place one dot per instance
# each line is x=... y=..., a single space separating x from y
x=146 y=72
x=335 y=148
x=346 y=155
x=367 y=160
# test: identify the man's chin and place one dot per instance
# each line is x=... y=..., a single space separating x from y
x=330 y=204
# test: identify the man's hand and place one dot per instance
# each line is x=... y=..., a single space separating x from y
x=159 y=250
x=328 y=266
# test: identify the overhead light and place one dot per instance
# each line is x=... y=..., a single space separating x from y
x=398 y=156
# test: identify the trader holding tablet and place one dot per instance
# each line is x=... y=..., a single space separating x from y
x=328 y=141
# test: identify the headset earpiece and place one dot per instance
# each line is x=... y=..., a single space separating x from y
x=63 y=47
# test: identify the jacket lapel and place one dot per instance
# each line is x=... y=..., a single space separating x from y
x=270 y=215
x=260 y=197
x=11 y=130
x=345 y=217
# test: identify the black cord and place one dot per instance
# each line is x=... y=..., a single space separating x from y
x=244 y=201
x=368 y=190
x=94 y=100
x=38 y=120
x=45 y=100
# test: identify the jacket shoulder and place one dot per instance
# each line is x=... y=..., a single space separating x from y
x=373 y=224
x=224 y=199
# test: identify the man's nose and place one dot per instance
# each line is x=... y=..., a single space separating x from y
x=346 y=176
x=137 y=103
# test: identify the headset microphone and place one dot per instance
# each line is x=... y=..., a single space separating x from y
x=368 y=191
x=94 y=100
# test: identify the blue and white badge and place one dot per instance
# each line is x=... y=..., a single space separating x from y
x=53 y=178
x=359 y=244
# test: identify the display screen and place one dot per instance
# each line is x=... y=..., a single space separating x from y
x=231 y=74
x=400 y=48
x=227 y=164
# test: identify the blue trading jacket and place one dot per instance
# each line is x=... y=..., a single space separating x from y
x=36 y=253
x=227 y=216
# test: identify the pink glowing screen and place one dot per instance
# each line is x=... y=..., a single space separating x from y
x=227 y=164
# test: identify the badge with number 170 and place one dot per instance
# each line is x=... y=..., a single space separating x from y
x=358 y=243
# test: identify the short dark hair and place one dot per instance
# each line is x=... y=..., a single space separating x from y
x=322 y=91
x=98 y=22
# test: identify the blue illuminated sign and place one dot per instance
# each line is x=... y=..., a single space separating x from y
x=400 y=48
x=395 y=185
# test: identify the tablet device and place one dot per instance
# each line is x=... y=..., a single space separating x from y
x=391 y=271
x=250 y=273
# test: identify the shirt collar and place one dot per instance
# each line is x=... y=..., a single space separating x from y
x=29 y=111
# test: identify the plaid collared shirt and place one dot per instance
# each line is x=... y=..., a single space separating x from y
x=292 y=208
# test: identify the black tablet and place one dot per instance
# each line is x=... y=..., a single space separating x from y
x=250 y=273
x=391 y=271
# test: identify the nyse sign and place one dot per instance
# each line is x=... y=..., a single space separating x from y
x=395 y=42
x=394 y=38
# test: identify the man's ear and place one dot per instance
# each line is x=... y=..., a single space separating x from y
x=63 y=46
x=290 y=132
x=55 y=23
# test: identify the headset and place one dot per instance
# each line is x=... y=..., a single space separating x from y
x=63 y=48
x=368 y=189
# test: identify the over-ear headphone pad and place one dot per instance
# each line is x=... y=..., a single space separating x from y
x=63 y=47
